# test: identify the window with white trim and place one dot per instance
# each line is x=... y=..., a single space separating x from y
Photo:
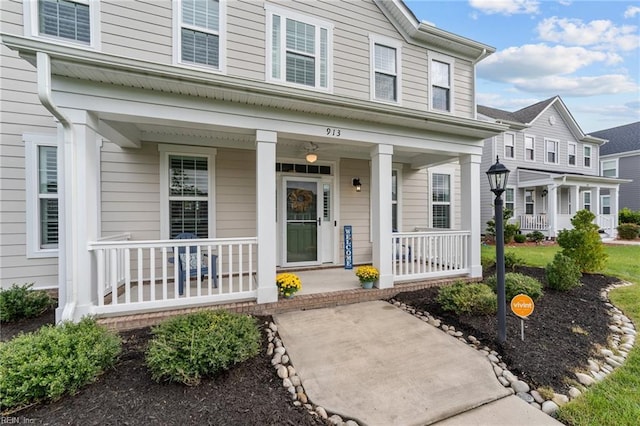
x=441 y=82
x=529 y=148
x=605 y=203
x=510 y=199
x=509 y=145
x=41 y=167
x=529 y=201
x=610 y=168
x=586 y=159
x=201 y=33
x=440 y=200
x=386 y=69
x=74 y=21
x=187 y=191
x=298 y=49
x=551 y=148
x=572 y=150
x=586 y=200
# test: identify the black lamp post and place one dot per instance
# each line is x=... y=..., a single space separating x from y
x=498 y=175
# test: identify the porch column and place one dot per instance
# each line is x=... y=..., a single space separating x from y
x=614 y=207
x=573 y=197
x=266 y=214
x=552 y=214
x=79 y=206
x=470 y=205
x=381 y=160
x=596 y=202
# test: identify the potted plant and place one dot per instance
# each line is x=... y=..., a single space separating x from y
x=367 y=275
x=288 y=284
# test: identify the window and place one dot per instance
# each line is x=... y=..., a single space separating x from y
x=529 y=148
x=385 y=72
x=299 y=49
x=73 y=21
x=510 y=200
x=605 y=202
x=551 y=147
x=509 y=145
x=610 y=168
x=529 y=201
x=587 y=156
x=586 y=200
x=41 y=155
x=441 y=82
x=441 y=200
x=187 y=191
x=201 y=33
x=572 y=149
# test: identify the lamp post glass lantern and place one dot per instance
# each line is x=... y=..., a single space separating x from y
x=498 y=176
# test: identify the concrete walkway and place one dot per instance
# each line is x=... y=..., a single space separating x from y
x=381 y=366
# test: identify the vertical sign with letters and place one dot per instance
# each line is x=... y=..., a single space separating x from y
x=348 y=247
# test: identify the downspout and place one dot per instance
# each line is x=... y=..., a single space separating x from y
x=43 y=67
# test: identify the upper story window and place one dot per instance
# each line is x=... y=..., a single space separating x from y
x=509 y=145
x=529 y=148
x=73 y=21
x=385 y=70
x=551 y=148
x=610 y=168
x=441 y=82
x=199 y=39
x=572 y=150
x=298 y=49
x=587 y=156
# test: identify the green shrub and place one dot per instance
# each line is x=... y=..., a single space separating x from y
x=473 y=299
x=626 y=215
x=188 y=347
x=628 y=231
x=583 y=243
x=510 y=229
x=511 y=260
x=515 y=283
x=52 y=361
x=21 y=302
x=520 y=238
x=562 y=273
x=535 y=237
x=487 y=261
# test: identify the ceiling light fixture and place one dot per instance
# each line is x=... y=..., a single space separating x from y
x=311 y=156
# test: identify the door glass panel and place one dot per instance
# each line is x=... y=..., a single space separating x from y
x=302 y=228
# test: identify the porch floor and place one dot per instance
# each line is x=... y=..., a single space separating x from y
x=326 y=280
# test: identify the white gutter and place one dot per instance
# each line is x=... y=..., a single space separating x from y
x=43 y=67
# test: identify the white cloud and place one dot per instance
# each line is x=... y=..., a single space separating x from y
x=578 y=86
x=601 y=34
x=631 y=11
x=506 y=7
x=539 y=60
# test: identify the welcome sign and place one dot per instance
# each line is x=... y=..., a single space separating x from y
x=348 y=247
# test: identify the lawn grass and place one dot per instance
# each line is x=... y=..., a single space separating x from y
x=616 y=400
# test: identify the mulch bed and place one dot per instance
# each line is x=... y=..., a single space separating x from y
x=559 y=338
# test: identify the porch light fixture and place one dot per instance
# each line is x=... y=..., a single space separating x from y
x=498 y=176
x=544 y=192
x=311 y=156
x=357 y=184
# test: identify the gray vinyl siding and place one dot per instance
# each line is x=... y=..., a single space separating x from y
x=235 y=193
x=629 y=168
x=414 y=203
x=355 y=208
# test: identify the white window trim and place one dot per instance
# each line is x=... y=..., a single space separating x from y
x=435 y=56
x=533 y=200
x=284 y=14
x=602 y=198
x=590 y=157
x=32 y=142
x=533 y=140
x=576 y=154
x=222 y=39
x=194 y=151
x=442 y=171
x=590 y=203
x=613 y=160
x=32 y=28
x=513 y=144
x=512 y=188
x=546 y=151
x=395 y=44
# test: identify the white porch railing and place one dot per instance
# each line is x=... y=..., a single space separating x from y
x=115 y=267
x=151 y=278
x=419 y=255
x=534 y=222
x=607 y=222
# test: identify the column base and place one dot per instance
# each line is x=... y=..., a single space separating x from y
x=268 y=294
x=385 y=281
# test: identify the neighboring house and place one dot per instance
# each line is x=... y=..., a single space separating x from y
x=247 y=124
x=620 y=158
x=554 y=169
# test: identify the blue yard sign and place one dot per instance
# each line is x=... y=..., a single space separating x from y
x=348 y=247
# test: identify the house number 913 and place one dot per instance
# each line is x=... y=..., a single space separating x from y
x=333 y=132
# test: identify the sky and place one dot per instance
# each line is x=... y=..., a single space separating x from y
x=585 y=51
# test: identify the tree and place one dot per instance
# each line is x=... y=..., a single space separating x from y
x=583 y=243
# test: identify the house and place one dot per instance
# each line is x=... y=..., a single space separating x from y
x=620 y=158
x=554 y=169
x=270 y=130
